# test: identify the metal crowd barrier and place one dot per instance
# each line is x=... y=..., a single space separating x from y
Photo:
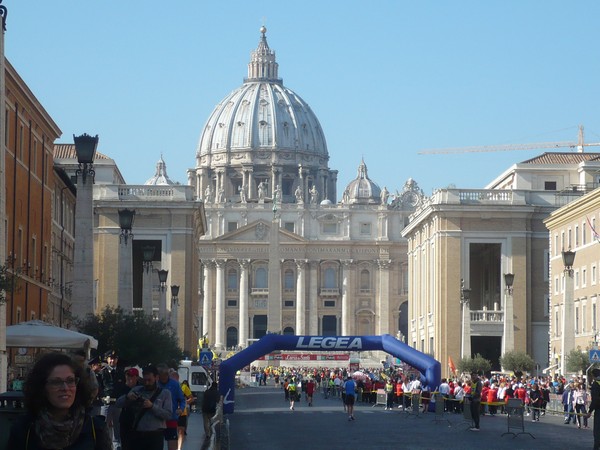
x=515 y=420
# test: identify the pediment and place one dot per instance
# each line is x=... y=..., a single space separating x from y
x=258 y=231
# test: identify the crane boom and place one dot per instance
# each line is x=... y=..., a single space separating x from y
x=510 y=147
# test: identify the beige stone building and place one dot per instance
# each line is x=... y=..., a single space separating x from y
x=574 y=293
x=167 y=224
x=467 y=240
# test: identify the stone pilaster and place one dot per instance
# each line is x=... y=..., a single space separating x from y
x=383 y=292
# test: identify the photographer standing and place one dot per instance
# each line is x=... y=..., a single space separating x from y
x=152 y=406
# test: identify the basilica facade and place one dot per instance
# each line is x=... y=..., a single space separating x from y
x=281 y=252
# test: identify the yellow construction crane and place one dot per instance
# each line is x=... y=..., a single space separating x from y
x=579 y=145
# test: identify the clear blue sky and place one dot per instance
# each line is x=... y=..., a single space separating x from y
x=385 y=78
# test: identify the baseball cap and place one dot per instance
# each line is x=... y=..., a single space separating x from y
x=133 y=372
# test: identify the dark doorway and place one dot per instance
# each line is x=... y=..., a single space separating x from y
x=403 y=319
x=489 y=347
x=232 y=337
x=260 y=326
x=138 y=269
x=329 y=327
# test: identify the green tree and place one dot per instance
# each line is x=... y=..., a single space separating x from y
x=517 y=362
x=476 y=364
x=577 y=360
x=138 y=337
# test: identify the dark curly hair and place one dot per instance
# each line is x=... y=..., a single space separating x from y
x=34 y=388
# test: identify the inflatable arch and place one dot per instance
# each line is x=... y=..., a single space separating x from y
x=430 y=368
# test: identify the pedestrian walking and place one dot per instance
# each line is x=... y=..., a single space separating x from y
x=350 y=390
x=475 y=395
x=595 y=407
x=209 y=408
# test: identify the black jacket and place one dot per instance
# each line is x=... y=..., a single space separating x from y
x=93 y=436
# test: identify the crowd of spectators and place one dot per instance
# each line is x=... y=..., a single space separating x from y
x=536 y=392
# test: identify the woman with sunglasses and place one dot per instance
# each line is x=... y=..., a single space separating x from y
x=57 y=397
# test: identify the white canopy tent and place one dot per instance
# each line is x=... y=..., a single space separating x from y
x=37 y=333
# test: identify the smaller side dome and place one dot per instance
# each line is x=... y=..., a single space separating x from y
x=361 y=190
x=160 y=178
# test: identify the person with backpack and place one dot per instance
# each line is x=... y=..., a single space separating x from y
x=292 y=392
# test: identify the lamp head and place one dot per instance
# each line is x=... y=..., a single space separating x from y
x=85 y=147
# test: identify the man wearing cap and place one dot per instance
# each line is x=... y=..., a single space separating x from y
x=595 y=407
x=152 y=408
x=113 y=383
x=127 y=416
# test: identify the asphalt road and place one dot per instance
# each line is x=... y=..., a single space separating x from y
x=262 y=419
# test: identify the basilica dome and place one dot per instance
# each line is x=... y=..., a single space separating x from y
x=362 y=190
x=260 y=140
x=262 y=115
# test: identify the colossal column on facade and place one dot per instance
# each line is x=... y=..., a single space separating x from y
x=347 y=316
x=313 y=300
x=220 y=305
x=300 y=297
x=274 y=323
x=243 y=326
x=207 y=292
x=383 y=292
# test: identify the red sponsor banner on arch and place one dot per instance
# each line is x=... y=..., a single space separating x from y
x=305 y=357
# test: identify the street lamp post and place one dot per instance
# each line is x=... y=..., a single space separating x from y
x=508 y=338
x=465 y=296
x=162 y=306
x=147 y=258
x=174 y=307
x=83 y=257
x=568 y=329
x=125 y=293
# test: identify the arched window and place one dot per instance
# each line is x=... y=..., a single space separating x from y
x=365 y=280
x=288 y=331
x=288 y=280
x=232 y=280
x=330 y=278
x=260 y=281
x=232 y=337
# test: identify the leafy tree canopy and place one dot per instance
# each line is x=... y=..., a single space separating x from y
x=476 y=364
x=577 y=360
x=137 y=337
x=517 y=362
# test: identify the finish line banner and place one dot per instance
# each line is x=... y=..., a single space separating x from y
x=304 y=357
